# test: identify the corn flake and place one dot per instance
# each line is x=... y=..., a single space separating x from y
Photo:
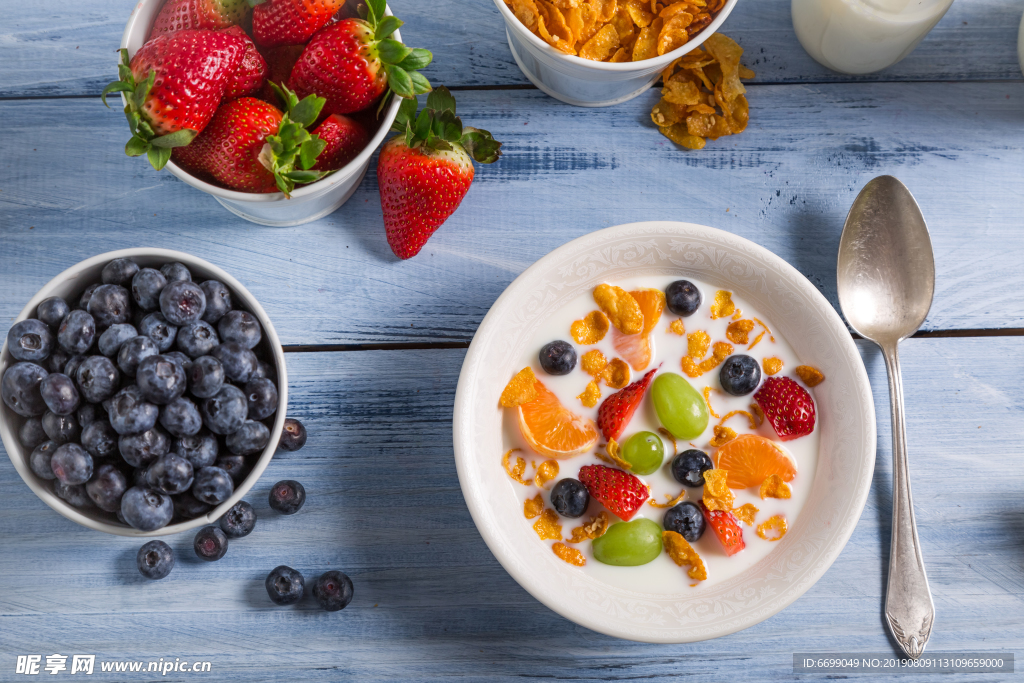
x=521 y=389
x=723 y=435
x=621 y=308
x=697 y=344
x=668 y=435
x=548 y=527
x=616 y=375
x=717 y=495
x=672 y=502
x=613 y=449
x=811 y=376
x=674 y=34
x=774 y=487
x=602 y=45
x=677 y=327
x=707 y=400
x=739 y=331
x=526 y=12
x=595 y=528
x=758 y=413
x=591 y=395
x=750 y=418
x=570 y=555
x=722 y=306
x=533 y=506
x=776 y=524
x=682 y=553
x=679 y=134
x=591 y=329
x=746 y=513
x=646 y=45
x=639 y=13
x=547 y=471
x=772 y=366
x=593 y=362
x=517 y=470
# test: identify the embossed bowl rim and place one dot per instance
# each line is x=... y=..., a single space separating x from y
x=802 y=315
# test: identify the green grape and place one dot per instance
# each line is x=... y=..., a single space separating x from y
x=680 y=408
x=628 y=544
x=644 y=451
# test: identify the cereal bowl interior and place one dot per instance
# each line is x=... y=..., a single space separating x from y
x=662 y=605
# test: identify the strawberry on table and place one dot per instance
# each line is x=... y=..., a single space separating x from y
x=621 y=492
x=617 y=410
x=787 y=406
x=251 y=72
x=180 y=15
x=424 y=172
x=726 y=528
x=345 y=138
x=290 y=22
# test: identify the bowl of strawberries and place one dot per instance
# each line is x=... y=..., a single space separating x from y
x=274 y=107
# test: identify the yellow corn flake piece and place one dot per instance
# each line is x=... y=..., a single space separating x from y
x=570 y=555
x=739 y=331
x=690 y=368
x=646 y=45
x=697 y=344
x=681 y=92
x=728 y=53
x=521 y=389
x=668 y=435
x=613 y=449
x=750 y=418
x=548 y=526
x=533 y=506
x=758 y=413
x=774 y=487
x=720 y=351
x=772 y=366
x=723 y=435
x=773 y=528
x=591 y=395
x=620 y=56
x=682 y=553
x=674 y=34
x=722 y=306
x=757 y=340
x=595 y=528
x=707 y=399
x=746 y=513
x=677 y=327
x=717 y=495
x=665 y=113
x=602 y=45
x=515 y=471
x=547 y=471
x=738 y=315
x=672 y=500
x=679 y=134
x=616 y=375
x=526 y=12
x=639 y=13
x=621 y=308
x=761 y=323
x=811 y=376
x=593 y=362
x=591 y=329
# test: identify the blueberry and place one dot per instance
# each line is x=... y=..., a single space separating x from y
x=120 y=271
x=61 y=428
x=197 y=339
x=210 y=543
x=155 y=560
x=182 y=302
x=687 y=520
x=89 y=413
x=114 y=336
x=77 y=332
x=689 y=467
x=176 y=272
x=156 y=327
x=97 y=378
x=110 y=305
x=71 y=366
x=31 y=434
x=146 y=287
x=285 y=586
x=139 y=450
x=133 y=352
x=39 y=460
x=570 y=498
x=234 y=465
x=106 y=487
x=146 y=509
x=212 y=485
x=139 y=477
x=160 y=380
x=51 y=311
x=100 y=439
x=181 y=418
x=71 y=464
x=239 y=362
x=239 y=521
x=73 y=494
x=129 y=412
x=225 y=412
x=264 y=371
x=59 y=393
x=333 y=590
x=181 y=359
x=83 y=301
x=683 y=298
x=739 y=375
x=558 y=358
x=218 y=300
x=205 y=377
x=200 y=450
x=293 y=436
x=262 y=397
x=187 y=506
x=241 y=327
x=20 y=389
x=30 y=340
x=287 y=496
x=170 y=474
x=57 y=360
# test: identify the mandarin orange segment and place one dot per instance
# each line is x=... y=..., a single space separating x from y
x=553 y=430
x=652 y=303
x=635 y=349
x=750 y=459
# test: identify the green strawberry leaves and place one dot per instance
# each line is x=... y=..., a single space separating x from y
x=438 y=128
x=401 y=63
x=292 y=152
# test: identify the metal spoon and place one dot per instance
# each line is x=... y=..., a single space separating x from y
x=886 y=277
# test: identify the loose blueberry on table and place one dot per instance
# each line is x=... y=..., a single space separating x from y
x=210 y=543
x=239 y=521
x=287 y=496
x=155 y=560
x=285 y=586
x=333 y=590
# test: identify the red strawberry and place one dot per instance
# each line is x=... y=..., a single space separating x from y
x=173 y=85
x=424 y=174
x=345 y=139
x=280 y=61
x=788 y=407
x=180 y=15
x=621 y=492
x=617 y=410
x=251 y=72
x=354 y=61
x=726 y=528
x=290 y=22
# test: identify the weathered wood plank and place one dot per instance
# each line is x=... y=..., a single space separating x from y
x=67 y=192
x=432 y=603
x=52 y=49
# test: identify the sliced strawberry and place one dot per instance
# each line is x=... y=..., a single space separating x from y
x=617 y=410
x=787 y=406
x=621 y=492
x=726 y=528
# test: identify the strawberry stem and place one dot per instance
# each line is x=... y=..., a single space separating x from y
x=292 y=152
x=437 y=127
x=401 y=63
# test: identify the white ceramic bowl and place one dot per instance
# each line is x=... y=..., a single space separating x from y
x=584 y=82
x=308 y=202
x=70 y=284
x=801 y=315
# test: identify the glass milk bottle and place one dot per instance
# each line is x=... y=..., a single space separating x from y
x=861 y=36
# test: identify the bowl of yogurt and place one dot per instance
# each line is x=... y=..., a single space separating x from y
x=752 y=304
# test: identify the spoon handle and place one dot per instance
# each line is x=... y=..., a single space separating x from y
x=909 y=610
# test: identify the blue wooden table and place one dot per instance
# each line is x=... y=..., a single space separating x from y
x=375 y=347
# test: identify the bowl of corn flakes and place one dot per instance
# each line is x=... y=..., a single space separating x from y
x=597 y=53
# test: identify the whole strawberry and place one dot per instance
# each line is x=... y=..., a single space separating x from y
x=621 y=492
x=787 y=406
x=345 y=138
x=181 y=15
x=617 y=410
x=173 y=85
x=425 y=172
x=290 y=22
x=354 y=61
x=249 y=77
x=280 y=61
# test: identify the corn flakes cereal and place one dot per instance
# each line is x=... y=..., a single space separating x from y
x=739 y=331
x=547 y=471
x=570 y=555
x=593 y=362
x=723 y=435
x=758 y=413
x=717 y=495
x=616 y=375
x=750 y=418
x=677 y=327
x=777 y=524
x=720 y=351
x=595 y=528
x=613 y=449
x=621 y=308
x=761 y=336
x=672 y=502
x=707 y=400
x=668 y=435
x=548 y=526
x=682 y=553
x=674 y=34
x=746 y=513
x=722 y=306
x=772 y=366
x=591 y=329
x=521 y=389
x=591 y=395
x=639 y=13
x=774 y=487
x=602 y=46
x=697 y=344
x=533 y=506
x=812 y=377
x=646 y=45
x=515 y=471
x=526 y=12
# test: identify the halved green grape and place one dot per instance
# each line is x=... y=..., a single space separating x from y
x=628 y=544
x=680 y=408
x=644 y=451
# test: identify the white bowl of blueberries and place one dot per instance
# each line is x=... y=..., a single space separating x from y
x=144 y=393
